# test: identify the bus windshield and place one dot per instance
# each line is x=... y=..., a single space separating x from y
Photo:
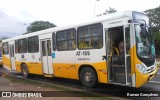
x=144 y=42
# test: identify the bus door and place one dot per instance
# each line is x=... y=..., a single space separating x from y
x=46 y=56
x=12 y=57
x=118 y=55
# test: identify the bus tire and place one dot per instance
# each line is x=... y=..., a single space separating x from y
x=88 y=77
x=25 y=72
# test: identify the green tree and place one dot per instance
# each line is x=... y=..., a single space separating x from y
x=154 y=15
x=3 y=37
x=110 y=10
x=39 y=25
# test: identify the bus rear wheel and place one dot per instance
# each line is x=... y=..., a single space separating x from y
x=88 y=77
x=25 y=72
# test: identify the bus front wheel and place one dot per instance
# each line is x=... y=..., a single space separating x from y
x=88 y=77
x=25 y=72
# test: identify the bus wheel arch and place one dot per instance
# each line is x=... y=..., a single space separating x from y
x=24 y=70
x=88 y=75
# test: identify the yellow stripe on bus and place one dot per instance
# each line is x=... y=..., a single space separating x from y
x=62 y=69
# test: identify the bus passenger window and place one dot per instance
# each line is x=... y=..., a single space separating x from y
x=33 y=44
x=54 y=41
x=22 y=45
x=71 y=39
x=5 y=48
x=66 y=40
x=61 y=40
x=16 y=46
x=90 y=37
x=96 y=33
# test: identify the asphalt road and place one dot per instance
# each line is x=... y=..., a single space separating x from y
x=153 y=86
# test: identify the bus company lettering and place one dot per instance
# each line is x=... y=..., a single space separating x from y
x=83 y=53
x=115 y=22
x=83 y=59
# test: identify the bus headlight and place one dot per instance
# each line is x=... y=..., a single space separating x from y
x=141 y=68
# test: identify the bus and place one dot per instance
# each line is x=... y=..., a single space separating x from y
x=0 y=52
x=115 y=49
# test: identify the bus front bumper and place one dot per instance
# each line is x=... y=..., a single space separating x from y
x=141 y=79
x=1 y=62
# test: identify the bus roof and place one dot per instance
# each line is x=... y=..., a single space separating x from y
x=55 y=29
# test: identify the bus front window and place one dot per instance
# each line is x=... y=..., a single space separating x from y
x=145 y=47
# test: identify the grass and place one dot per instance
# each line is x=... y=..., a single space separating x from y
x=87 y=95
x=158 y=64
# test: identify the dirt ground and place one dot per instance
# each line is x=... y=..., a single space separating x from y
x=158 y=59
x=7 y=85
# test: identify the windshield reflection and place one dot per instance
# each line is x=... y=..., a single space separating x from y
x=145 y=47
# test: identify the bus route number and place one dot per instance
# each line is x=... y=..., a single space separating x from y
x=82 y=53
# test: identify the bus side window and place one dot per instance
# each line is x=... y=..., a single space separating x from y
x=82 y=33
x=22 y=45
x=66 y=40
x=61 y=41
x=54 y=41
x=16 y=46
x=5 y=48
x=71 y=39
x=96 y=35
x=33 y=44
x=90 y=37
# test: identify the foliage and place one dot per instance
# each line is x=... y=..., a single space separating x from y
x=110 y=10
x=154 y=15
x=3 y=37
x=39 y=25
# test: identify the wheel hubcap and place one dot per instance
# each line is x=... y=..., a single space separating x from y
x=88 y=77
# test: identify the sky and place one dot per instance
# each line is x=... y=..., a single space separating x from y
x=16 y=15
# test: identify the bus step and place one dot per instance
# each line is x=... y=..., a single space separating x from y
x=121 y=78
x=48 y=75
x=129 y=83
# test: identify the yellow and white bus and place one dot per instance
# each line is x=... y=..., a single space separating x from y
x=115 y=49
